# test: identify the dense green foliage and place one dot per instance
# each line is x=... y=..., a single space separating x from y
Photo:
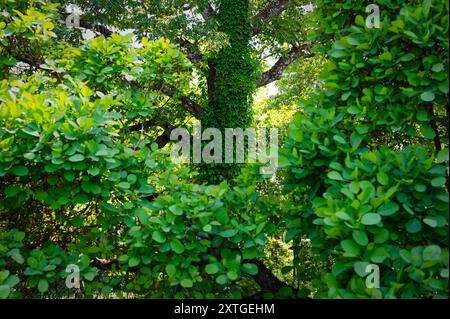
x=86 y=179
x=364 y=201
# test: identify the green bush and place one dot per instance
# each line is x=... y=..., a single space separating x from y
x=78 y=186
x=365 y=155
x=83 y=194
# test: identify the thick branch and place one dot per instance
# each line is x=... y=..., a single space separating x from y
x=433 y=124
x=25 y=58
x=162 y=139
x=273 y=9
x=192 y=107
x=90 y=25
x=208 y=12
x=266 y=280
x=191 y=51
x=278 y=68
x=212 y=73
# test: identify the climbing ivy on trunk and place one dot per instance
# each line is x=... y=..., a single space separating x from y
x=232 y=78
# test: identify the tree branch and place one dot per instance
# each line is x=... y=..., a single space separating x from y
x=208 y=12
x=29 y=59
x=90 y=25
x=192 y=107
x=191 y=52
x=273 y=9
x=266 y=280
x=278 y=68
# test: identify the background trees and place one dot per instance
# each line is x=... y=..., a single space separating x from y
x=210 y=34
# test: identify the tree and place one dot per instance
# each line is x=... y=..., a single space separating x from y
x=210 y=34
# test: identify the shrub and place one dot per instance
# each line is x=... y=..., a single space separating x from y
x=368 y=192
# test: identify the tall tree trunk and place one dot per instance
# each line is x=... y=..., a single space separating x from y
x=231 y=82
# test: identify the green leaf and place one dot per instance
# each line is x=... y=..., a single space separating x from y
x=69 y=176
x=430 y=221
x=350 y=248
x=381 y=236
x=343 y=215
x=250 y=253
x=80 y=198
x=443 y=87
x=171 y=270
x=427 y=96
x=31 y=132
x=438 y=181
x=420 y=188
x=76 y=158
x=11 y=281
x=90 y=275
x=3 y=275
x=442 y=156
x=335 y=176
x=388 y=209
x=339 y=139
x=142 y=215
x=432 y=253
x=379 y=254
x=94 y=171
x=159 y=237
x=422 y=115
x=360 y=268
x=186 y=283
x=383 y=178
x=222 y=216
x=43 y=285
x=228 y=233
x=291 y=233
x=352 y=41
x=232 y=275
x=29 y=156
x=371 y=219
x=12 y=190
x=359 y=20
x=211 y=269
x=407 y=57
x=134 y=261
x=427 y=131
x=437 y=67
x=177 y=246
x=222 y=279
x=20 y=171
x=413 y=226
x=251 y=269
x=176 y=210
x=4 y=291
x=124 y=185
x=360 y=237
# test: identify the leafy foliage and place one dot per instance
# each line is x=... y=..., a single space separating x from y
x=362 y=202
x=104 y=198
